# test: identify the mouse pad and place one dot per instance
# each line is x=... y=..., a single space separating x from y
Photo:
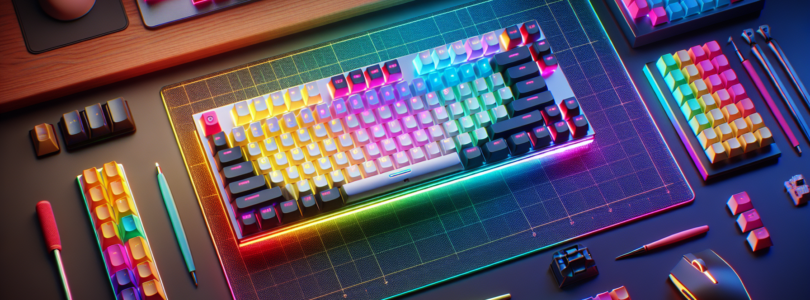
x=627 y=173
x=43 y=33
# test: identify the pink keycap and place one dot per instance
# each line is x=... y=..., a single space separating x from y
x=116 y=258
x=706 y=68
x=737 y=92
x=697 y=54
x=436 y=133
x=404 y=142
x=720 y=63
x=749 y=220
x=210 y=123
x=372 y=151
x=722 y=97
x=432 y=101
x=425 y=119
x=759 y=239
x=367 y=119
x=739 y=202
x=729 y=78
x=416 y=105
x=394 y=128
x=356 y=104
x=351 y=123
x=322 y=113
x=714 y=83
x=638 y=9
x=384 y=113
x=658 y=15
x=401 y=159
x=378 y=133
x=385 y=164
x=420 y=137
x=417 y=155
x=361 y=137
x=712 y=49
x=338 y=107
x=746 y=107
x=400 y=109
x=628 y=2
x=409 y=124
x=388 y=146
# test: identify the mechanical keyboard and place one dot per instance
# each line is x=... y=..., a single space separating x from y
x=389 y=129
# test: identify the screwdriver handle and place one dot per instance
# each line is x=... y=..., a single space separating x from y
x=48 y=224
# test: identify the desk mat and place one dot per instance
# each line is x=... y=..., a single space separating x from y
x=628 y=172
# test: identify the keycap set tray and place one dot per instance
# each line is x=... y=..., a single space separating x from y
x=555 y=81
x=105 y=121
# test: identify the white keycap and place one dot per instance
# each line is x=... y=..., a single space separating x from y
x=368 y=118
x=417 y=154
x=277 y=179
x=270 y=146
x=306 y=117
x=425 y=119
x=401 y=160
x=369 y=169
x=289 y=122
x=361 y=137
x=302 y=137
x=337 y=178
x=297 y=156
x=432 y=150
x=345 y=141
x=341 y=160
x=394 y=128
x=292 y=174
x=277 y=100
x=323 y=165
x=256 y=132
x=308 y=170
x=464 y=141
x=353 y=174
x=335 y=127
x=448 y=96
x=254 y=150
x=506 y=95
x=356 y=156
x=404 y=141
x=238 y=136
x=479 y=136
x=352 y=123
x=271 y=127
x=320 y=183
x=388 y=146
x=287 y=141
x=472 y=105
x=497 y=81
x=432 y=101
x=377 y=133
x=498 y=114
x=372 y=151
x=400 y=109
x=264 y=165
x=450 y=128
x=420 y=137
x=279 y=161
x=439 y=114
x=466 y=124
x=384 y=164
x=384 y=113
x=489 y=101
x=436 y=133
x=319 y=132
x=482 y=119
x=303 y=188
x=456 y=110
x=329 y=147
x=409 y=124
x=313 y=151
x=322 y=113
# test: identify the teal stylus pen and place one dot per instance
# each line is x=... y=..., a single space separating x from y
x=166 y=193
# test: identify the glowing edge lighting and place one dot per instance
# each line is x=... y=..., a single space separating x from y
x=681 y=287
x=735 y=273
x=426 y=188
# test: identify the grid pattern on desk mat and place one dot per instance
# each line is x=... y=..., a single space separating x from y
x=401 y=246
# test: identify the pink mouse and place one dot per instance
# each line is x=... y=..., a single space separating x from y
x=66 y=10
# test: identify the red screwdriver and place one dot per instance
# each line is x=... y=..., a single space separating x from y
x=52 y=241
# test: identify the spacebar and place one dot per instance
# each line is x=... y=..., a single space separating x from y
x=402 y=177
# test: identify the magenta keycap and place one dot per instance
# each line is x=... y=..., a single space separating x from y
x=372 y=151
x=338 y=108
x=697 y=54
x=712 y=49
x=749 y=220
x=759 y=239
x=706 y=68
x=714 y=83
x=384 y=113
x=420 y=137
x=739 y=202
x=116 y=258
x=746 y=107
x=638 y=9
x=729 y=78
x=737 y=92
x=658 y=15
x=720 y=63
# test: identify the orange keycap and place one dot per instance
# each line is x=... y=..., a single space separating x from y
x=145 y=271
x=117 y=189
x=97 y=196
x=90 y=177
x=108 y=234
x=138 y=250
x=123 y=207
x=151 y=290
x=44 y=139
x=102 y=214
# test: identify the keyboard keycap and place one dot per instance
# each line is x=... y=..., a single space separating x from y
x=289 y=211
x=423 y=63
x=490 y=43
x=519 y=143
x=120 y=116
x=529 y=87
x=514 y=125
x=539 y=49
x=521 y=72
x=472 y=158
x=415 y=173
x=237 y=172
x=540 y=137
x=44 y=139
x=267 y=217
x=392 y=71
x=511 y=58
x=560 y=132
x=330 y=199
x=510 y=38
x=228 y=157
x=530 y=32
x=96 y=121
x=569 y=108
x=73 y=128
x=357 y=81
x=338 y=87
x=246 y=186
x=121 y=280
x=536 y=102
x=152 y=290
x=261 y=198
x=375 y=76
x=579 y=126
x=474 y=48
x=458 y=54
x=495 y=150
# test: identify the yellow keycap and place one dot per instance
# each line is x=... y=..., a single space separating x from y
x=296 y=156
x=716 y=152
x=254 y=150
x=263 y=165
x=279 y=161
x=682 y=58
x=103 y=214
x=739 y=126
x=724 y=132
x=111 y=172
x=312 y=93
x=308 y=170
x=731 y=112
x=699 y=88
x=278 y=105
x=238 y=136
x=291 y=174
x=345 y=142
x=240 y=113
x=340 y=160
x=302 y=137
x=707 y=138
x=356 y=156
x=312 y=152
x=138 y=250
x=716 y=117
x=328 y=147
x=123 y=207
x=259 y=108
x=255 y=132
x=754 y=121
x=319 y=133
x=117 y=189
x=305 y=118
x=764 y=137
x=707 y=102
x=291 y=190
x=270 y=146
x=289 y=122
x=272 y=127
x=294 y=98
x=323 y=165
x=286 y=142
x=152 y=290
x=733 y=147
x=691 y=73
x=749 y=142
x=276 y=178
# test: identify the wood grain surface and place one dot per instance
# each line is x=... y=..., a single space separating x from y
x=26 y=78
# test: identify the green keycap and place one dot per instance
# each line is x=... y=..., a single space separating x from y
x=691 y=108
x=498 y=114
x=666 y=64
x=674 y=79
x=699 y=123
x=463 y=91
x=471 y=106
x=505 y=96
x=448 y=96
x=130 y=227
x=480 y=136
x=463 y=141
x=482 y=119
x=682 y=94
x=496 y=81
x=488 y=101
x=481 y=86
x=466 y=124
x=456 y=110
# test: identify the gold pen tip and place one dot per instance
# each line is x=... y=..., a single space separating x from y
x=799 y=149
x=158 y=167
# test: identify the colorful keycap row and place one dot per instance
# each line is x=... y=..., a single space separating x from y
x=717 y=106
x=749 y=221
x=121 y=238
x=310 y=149
x=665 y=11
x=619 y=293
x=96 y=122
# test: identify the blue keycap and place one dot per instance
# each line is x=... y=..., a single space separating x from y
x=451 y=77
x=690 y=7
x=440 y=57
x=668 y=2
x=387 y=95
x=483 y=69
x=466 y=73
x=403 y=91
x=723 y=2
x=371 y=98
x=655 y=3
x=707 y=4
x=418 y=87
x=435 y=82
x=458 y=54
x=423 y=62
x=674 y=11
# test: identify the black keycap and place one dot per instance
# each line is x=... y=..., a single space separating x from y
x=527 y=104
x=339 y=82
x=246 y=186
x=230 y=156
x=539 y=49
x=289 y=211
x=218 y=142
x=548 y=64
x=330 y=199
x=495 y=150
x=73 y=128
x=239 y=171
x=560 y=132
x=511 y=58
x=551 y=114
x=529 y=87
x=374 y=73
x=267 y=217
x=96 y=121
x=309 y=207
x=520 y=123
x=248 y=223
x=521 y=72
x=531 y=30
x=357 y=77
x=540 y=137
x=579 y=126
x=120 y=116
x=392 y=69
x=519 y=143
x=569 y=107
x=259 y=199
x=472 y=158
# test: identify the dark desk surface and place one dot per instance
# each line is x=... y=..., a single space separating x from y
x=29 y=273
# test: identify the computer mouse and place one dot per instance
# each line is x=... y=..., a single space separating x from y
x=66 y=10
x=707 y=276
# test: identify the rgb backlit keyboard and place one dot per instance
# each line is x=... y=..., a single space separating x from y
x=699 y=84
x=119 y=231
x=375 y=133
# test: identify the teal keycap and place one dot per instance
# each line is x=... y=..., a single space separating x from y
x=482 y=119
x=699 y=123
x=674 y=79
x=666 y=64
x=498 y=114
x=466 y=73
x=480 y=136
x=690 y=7
x=471 y=106
x=434 y=82
x=440 y=56
x=463 y=91
x=480 y=86
x=495 y=82
x=682 y=94
x=691 y=108
x=488 y=101
x=723 y=2
x=482 y=68
x=466 y=124
x=130 y=227
x=448 y=96
x=450 y=77
x=674 y=11
x=505 y=96
x=423 y=63
x=706 y=4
